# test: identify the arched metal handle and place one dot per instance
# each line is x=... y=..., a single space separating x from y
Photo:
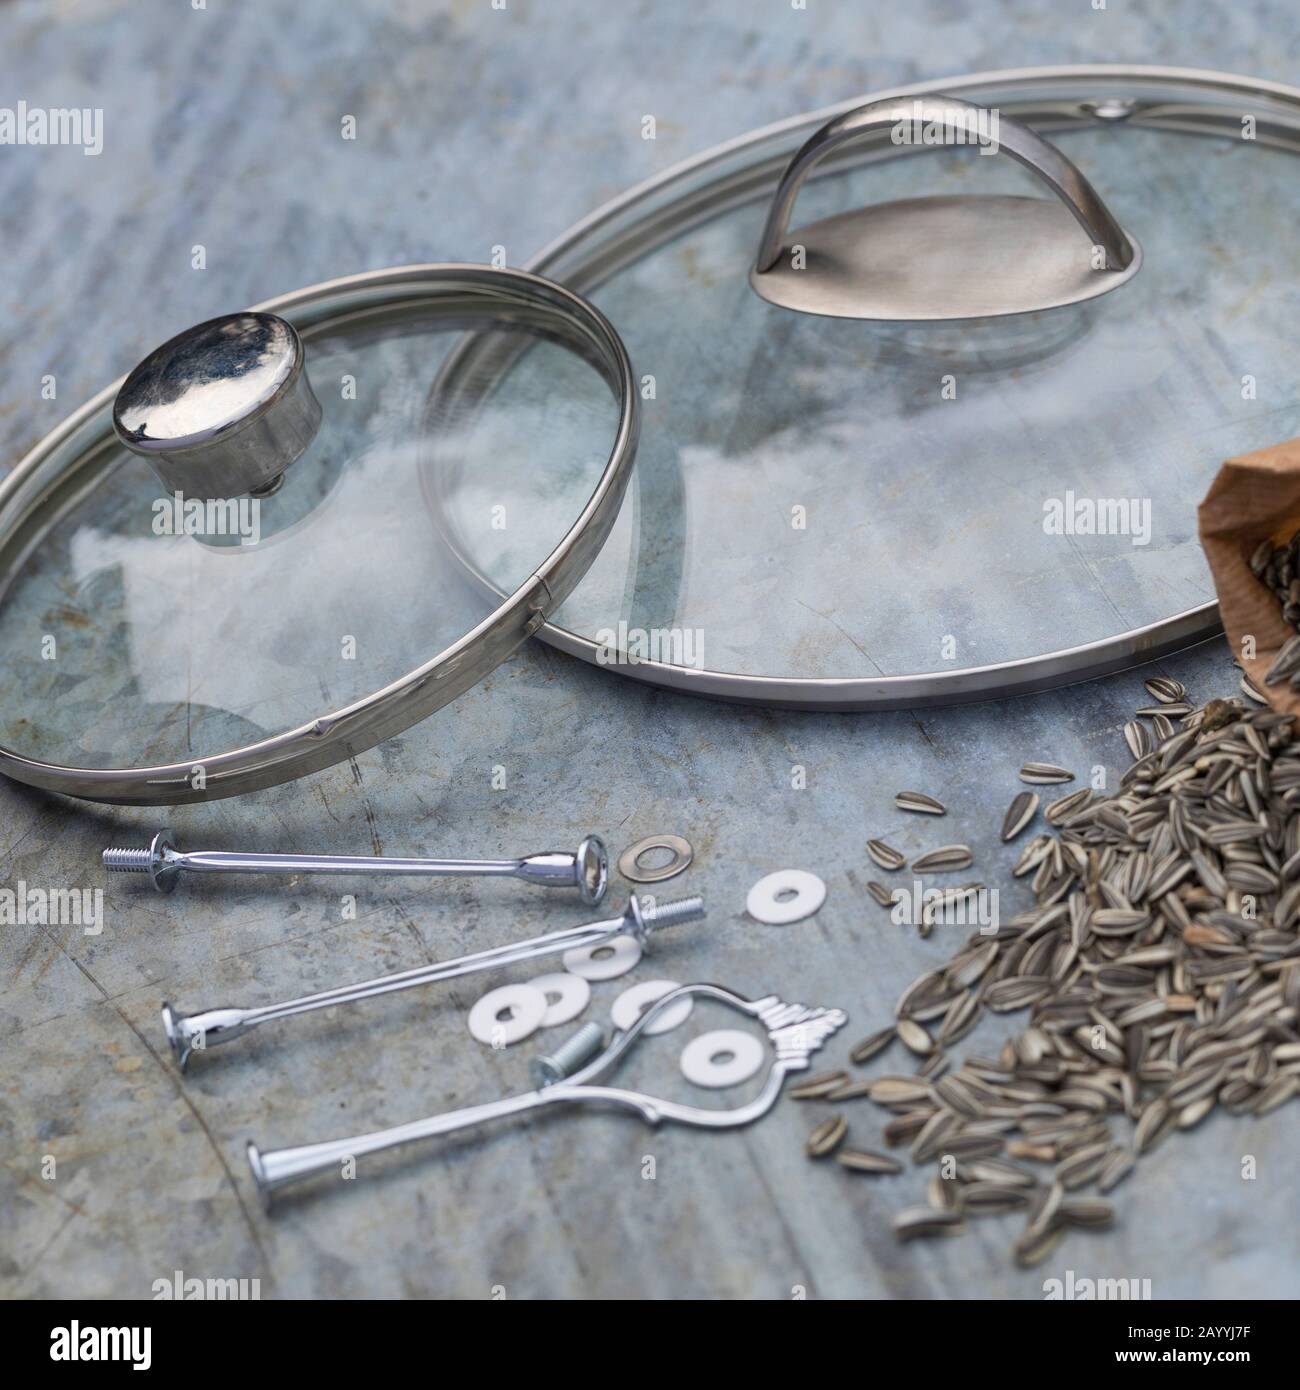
x=958 y=119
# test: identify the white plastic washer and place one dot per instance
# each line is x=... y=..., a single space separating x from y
x=571 y=995
x=699 y=1068
x=582 y=960
x=527 y=1006
x=632 y=1003
x=765 y=905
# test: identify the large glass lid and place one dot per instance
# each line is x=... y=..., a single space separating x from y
x=850 y=513
x=163 y=643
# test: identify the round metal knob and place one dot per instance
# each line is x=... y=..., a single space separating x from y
x=221 y=409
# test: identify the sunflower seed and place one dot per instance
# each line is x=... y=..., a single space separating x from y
x=914 y=1037
x=817 y=1086
x=903 y=1127
x=869 y=1047
x=1018 y=993
x=1021 y=811
x=1153 y=1125
x=885 y=855
x=1087 y=1212
x=928 y=1142
x=943 y=1194
x=918 y=801
x=1276 y=1093
x=918 y=1222
x=972 y=1146
x=947 y=857
x=1165 y=689
x=884 y=896
x=1044 y=774
x=1081 y=1166
x=1047 y=1202
x=1191 y=1115
x=899 y=1090
x=986 y=1197
x=968 y=967
x=850 y=1090
x=864 y=1161
x=1137 y=738
x=1034 y=1246
x=1035 y=1153
x=1251 y=691
x=1118 y=1165
x=1286 y=663
x=827 y=1137
x=1162 y=727
x=1060 y=811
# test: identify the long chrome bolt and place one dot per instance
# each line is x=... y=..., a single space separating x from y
x=199 y=1032
x=587 y=870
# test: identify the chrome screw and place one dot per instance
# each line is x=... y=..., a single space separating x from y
x=572 y=1055
x=587 y=870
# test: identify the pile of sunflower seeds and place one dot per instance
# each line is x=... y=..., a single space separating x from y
x=1161 y=968
x=1278 y=569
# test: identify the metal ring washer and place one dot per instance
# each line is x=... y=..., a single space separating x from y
x=681 y=851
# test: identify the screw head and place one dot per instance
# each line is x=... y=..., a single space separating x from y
x=592 y=869
x=163 y=872
x=635 y=922
x=176 y=1037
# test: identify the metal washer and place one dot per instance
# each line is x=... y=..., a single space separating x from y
x=680 y=849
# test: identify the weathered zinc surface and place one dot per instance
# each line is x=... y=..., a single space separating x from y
x=481 y=127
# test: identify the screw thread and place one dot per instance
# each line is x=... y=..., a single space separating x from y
x=571 y=1055
x=674 y=913
x=128 y=861
x=579 y=1049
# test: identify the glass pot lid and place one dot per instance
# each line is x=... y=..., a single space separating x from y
x=221 y=574
x=836 y=510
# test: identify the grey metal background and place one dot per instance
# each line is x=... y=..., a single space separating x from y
x=476 y=128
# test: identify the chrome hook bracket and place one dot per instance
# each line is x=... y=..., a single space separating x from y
x=795 y=1031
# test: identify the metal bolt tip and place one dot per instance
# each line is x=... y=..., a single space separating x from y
x=128 y=861
x=673 y=913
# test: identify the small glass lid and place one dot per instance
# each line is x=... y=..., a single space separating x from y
x=852 y=512
x=256 y=588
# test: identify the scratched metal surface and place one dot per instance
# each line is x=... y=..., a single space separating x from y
x=479 y=128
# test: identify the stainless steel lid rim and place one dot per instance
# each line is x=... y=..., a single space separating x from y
x=319 y=743
x=600 y=244
x=310 y=747
x=925 y=690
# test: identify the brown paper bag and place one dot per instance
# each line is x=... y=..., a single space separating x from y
x=1255 y=497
